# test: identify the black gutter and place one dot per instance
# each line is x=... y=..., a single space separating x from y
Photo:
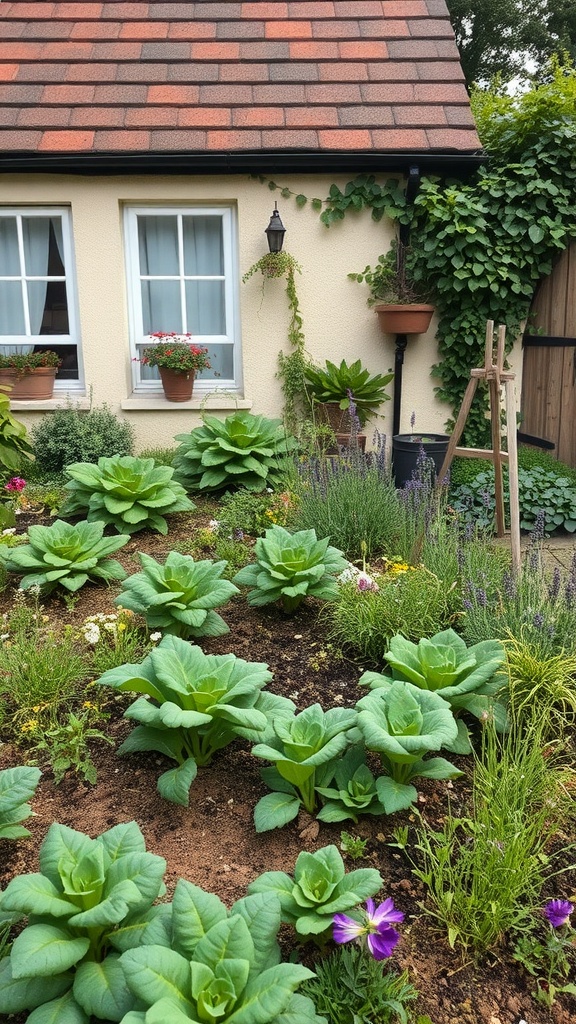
x=445 y=163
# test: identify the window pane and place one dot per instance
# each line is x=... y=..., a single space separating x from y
x=221 y=361
x=203 y=253
x=36 y=234
x=11 y=308
x=158 y=245
x=9 y=257
x=205 y=311
x=48 y=307
x=161 y=306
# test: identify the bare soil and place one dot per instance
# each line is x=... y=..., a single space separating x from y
x=213 y=842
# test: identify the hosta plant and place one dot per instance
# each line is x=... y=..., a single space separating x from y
x=216 y=966
x=466 y=677
x=351 y=791
x=64 y=555
x=403 y=723
x=91 y=899
x=125 y=492
x=303 y=749
x=17 y=786
x=290 y=567
x=320 y=888
x=178 y=596
x=241 y=451
x=198 y=704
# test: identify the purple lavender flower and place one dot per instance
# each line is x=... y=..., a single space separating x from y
x=554 y=588
x=558 y=912
x=538 y=620
x=381 y=938
x=413 y=420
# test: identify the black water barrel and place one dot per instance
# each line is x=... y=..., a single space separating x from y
x=406 y=451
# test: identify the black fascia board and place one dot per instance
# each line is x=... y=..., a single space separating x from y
x=443 y=163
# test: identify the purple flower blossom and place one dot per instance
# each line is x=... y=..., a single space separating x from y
x=557 y=912
x=381 y=938
x=554 y=588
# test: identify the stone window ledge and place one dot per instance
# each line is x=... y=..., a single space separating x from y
x=155 y=402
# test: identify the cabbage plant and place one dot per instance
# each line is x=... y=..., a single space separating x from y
x=64 y=555
x=290 y=567
x=351 y=791
x=464 y=676
x=17 y=786
x=198 y=704
x=320 y=888
x=403 y=723
x=179 y=596
x=215 y=966
x=303 y=749
x=91 y=899
x=241 y=451
x=124 y=492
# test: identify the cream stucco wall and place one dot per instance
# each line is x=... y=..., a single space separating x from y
x=337 y=321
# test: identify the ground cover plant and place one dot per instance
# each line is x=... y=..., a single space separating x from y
x=306 y=721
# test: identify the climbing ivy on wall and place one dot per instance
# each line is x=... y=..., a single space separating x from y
x=484 y=245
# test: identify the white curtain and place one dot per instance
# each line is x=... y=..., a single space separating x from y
x=36 y=238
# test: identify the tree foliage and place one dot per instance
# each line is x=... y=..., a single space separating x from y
x=502 y=37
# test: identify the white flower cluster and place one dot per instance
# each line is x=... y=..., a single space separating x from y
x=362 y=580
x=93 y=627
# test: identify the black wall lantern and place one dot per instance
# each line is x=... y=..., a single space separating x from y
x=275 y=231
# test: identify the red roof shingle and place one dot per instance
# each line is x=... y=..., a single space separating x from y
x=372 y=75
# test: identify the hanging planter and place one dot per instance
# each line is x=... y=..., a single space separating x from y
x=404 y=319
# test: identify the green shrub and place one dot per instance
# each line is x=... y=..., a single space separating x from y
x=241 y=451
x=161 y=456
x=126 y=493
x=70 y=435
x=539 y=490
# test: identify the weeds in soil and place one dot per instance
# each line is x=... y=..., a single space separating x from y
x=484 y=873
x=66 y=744
x=353 y=846
x=114 y=639
x=548 y=952
x=351 y=986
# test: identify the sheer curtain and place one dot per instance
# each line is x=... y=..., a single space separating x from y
x=36 y=239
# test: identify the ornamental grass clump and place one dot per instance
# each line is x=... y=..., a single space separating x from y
x=402 y=724
x=468 y=678
x=198 y=703
x=303 y=749
x=90 y=900
x=125 y=492
x=320 y=888
x=62 y=555
x=178 y=596
x=241 y=451
x=290 y=567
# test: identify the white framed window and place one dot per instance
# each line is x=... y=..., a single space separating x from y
x=182 y=277
x=38 y=305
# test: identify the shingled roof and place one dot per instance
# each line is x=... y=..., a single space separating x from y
x=230 y=85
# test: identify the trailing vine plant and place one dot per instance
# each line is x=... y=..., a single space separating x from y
x=482 y=246
x=290 y=366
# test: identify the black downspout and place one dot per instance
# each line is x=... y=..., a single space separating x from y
x=412 y=186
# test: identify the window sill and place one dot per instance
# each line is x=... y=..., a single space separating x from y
x=155 y=402
x=60 y=400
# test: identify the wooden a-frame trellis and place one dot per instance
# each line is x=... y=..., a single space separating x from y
x=495 y=375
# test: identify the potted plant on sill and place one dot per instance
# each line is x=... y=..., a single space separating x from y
x=178 y=362
x=333 y=390
x=399 y=300
x=30 y=375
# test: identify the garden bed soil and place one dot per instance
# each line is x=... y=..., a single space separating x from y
x=213 y=842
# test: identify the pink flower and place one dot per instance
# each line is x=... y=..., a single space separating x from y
x=381 y=938
x=15 y=484
x=365 y=582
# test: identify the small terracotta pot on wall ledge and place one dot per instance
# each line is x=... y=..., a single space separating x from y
x=177 y=386
x=404 y=319
x=35 y=384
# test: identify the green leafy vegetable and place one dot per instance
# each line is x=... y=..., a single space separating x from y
x=403 y=723
x=290 y=567
x=179 y=596
x=352 y=790
x=17 y=786
x=215 y=965
x=199 y=704
x=320 y=888
x=241 y=451
x=64 y=555
x=126 y=493
x=90 y=898
x=303 y=749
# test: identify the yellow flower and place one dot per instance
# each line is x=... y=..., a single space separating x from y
x=29 y=726
x=90 y=705
x=121 y=627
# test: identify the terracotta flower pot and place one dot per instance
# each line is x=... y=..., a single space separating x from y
x=177 y=386
x=411 y=319
x=36 y=384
